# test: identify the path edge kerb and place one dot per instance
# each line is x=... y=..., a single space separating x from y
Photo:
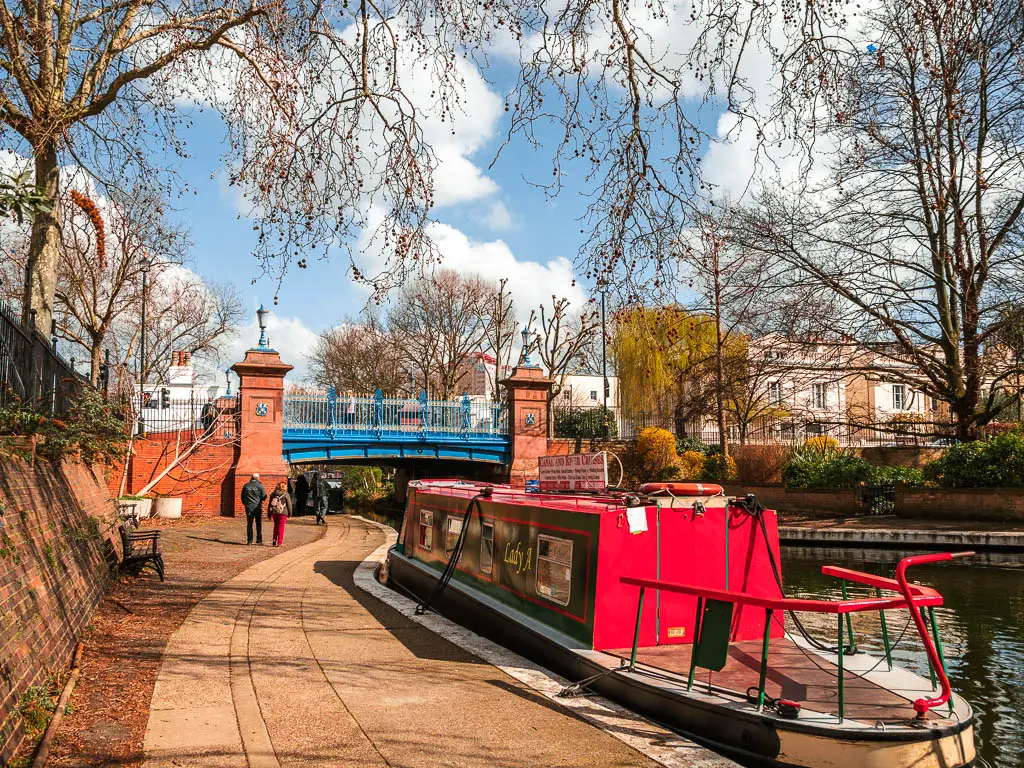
x=649 y=739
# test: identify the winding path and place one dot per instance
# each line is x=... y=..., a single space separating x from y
x=291 y=664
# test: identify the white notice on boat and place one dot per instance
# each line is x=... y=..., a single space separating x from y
x=637 y=519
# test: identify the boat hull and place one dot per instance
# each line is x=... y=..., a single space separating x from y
x=754 y=739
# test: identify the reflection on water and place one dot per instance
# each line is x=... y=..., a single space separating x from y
x=982 y=629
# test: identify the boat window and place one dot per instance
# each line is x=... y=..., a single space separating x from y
x=426 y=529
x=486 y=547
x=554 y=568
x=454 y=528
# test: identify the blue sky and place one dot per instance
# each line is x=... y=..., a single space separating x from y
x=508 y=227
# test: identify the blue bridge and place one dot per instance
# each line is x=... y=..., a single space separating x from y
x=334 y=427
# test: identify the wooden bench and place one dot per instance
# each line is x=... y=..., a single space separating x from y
x=141 y=549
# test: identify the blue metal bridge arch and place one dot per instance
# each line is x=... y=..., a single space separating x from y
x=327 y=426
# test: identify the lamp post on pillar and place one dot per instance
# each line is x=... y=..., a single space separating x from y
x=261 y=415
x=527 y=399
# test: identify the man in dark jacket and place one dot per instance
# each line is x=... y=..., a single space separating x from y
x=253 y=495
x=301 y=494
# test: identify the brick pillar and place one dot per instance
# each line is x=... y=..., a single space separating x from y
x=261 y=392
x=527 y=399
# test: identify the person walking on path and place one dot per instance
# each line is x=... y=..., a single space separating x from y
x=280 y=508
x=301 y=494
x=209 y=417
x=253 y=495
x=320 y=500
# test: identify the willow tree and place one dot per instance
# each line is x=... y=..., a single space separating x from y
x=665 y=359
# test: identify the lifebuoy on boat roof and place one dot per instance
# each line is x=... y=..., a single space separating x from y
x=683 y=489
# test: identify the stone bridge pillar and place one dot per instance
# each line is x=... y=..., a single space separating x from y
x=527 y=400
x=261 y=418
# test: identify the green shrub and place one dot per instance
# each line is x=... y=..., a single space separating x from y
x=994 y=463
x=684 y=444
x=905 y=475
x=719 y=468
x=821 y=466
x=824 y=467
x=90 y=429
x=585 y=423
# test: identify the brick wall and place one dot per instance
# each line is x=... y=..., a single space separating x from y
x=963 y=504
x=53 y=569
x=203 y=480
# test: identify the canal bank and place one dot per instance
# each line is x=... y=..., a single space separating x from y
x=889 y=531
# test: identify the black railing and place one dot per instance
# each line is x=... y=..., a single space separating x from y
x=31 y=371
x=593 y=421
x=191 y=417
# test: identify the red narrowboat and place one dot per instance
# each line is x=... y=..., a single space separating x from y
x=670 y=602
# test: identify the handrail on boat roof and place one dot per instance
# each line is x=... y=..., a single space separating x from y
x=787 y=603
x=871 y=580
x=914 y=597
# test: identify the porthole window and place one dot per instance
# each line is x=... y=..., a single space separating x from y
x=554 y=568
x=453 y=528
x=426 y=529
x=486 y=547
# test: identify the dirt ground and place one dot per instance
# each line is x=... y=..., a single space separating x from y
x=124 y=643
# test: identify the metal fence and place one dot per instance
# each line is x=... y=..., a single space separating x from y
x=376 y=416
x=619 y=423
x=190 y=417
x=31 y=371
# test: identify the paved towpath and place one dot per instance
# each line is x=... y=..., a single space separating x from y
x=290 y=664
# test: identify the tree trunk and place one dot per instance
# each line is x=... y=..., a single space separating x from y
x=964 y=410
x=41 y=265
x=95 y=360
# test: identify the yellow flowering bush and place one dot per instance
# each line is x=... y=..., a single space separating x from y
x=691 y=465
x=656 y=453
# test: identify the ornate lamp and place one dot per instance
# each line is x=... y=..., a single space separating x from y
x=526 y=346
x=227 y=378
x=261 y=319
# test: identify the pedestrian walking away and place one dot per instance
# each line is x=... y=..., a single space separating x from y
x=209 y=417
x=320 y=501
x=280 y=509
x=301 y=494
x=253 y=495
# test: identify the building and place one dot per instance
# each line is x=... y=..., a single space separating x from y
x=177 y=402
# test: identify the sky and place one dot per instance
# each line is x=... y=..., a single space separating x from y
x=489 y=221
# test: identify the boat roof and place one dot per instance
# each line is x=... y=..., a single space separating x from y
x=595 y=504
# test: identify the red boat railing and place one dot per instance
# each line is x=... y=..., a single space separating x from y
x=915 y=597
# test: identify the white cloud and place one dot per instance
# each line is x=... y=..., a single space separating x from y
x=290 y=336
x=531 y=283
x=498 y=217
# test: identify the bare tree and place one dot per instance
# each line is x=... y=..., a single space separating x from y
x=914 y=241
x=360 y=356
x=184 y=314
x=99 y=285
x=442 y=320
x=500 y=332
x=563 y=334
x=318 y=100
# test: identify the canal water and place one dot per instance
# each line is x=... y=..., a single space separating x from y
x=981 y=625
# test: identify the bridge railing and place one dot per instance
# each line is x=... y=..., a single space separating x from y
x=329 y=414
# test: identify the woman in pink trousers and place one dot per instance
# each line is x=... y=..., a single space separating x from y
x=280 y=509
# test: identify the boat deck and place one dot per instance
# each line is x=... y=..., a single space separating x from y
x=793 y=673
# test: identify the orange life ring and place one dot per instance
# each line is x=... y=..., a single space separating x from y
x=683 y=489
